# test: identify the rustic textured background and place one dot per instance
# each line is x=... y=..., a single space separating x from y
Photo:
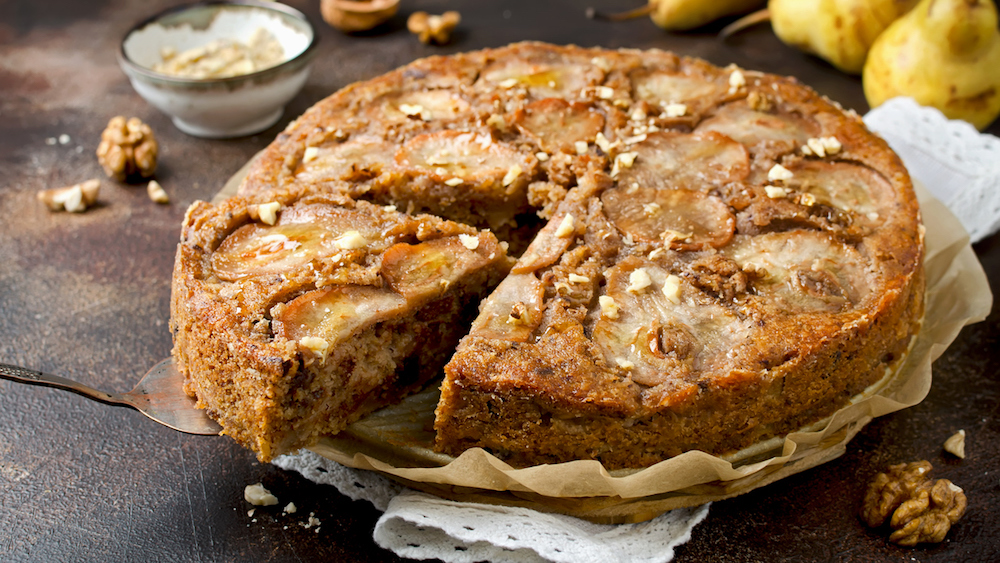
x=86 y=296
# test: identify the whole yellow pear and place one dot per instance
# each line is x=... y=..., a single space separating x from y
x=944 y=54
x=839 y=31
x=676 y=15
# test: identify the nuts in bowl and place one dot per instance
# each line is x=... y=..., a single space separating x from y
x=220 y=69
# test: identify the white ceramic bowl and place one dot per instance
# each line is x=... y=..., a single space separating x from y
x=219 y=107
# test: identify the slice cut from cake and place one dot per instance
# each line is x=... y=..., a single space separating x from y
x=297 y=313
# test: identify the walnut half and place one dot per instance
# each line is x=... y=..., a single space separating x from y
x=918 y=509
x=432 y=28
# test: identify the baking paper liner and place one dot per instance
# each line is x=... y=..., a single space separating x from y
x=397 y=441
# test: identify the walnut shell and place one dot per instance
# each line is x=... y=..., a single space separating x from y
x=357 y=15
x=128 y=149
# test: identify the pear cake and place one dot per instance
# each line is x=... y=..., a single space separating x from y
x=707 y=258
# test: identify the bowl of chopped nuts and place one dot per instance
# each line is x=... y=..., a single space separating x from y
x=222 y=68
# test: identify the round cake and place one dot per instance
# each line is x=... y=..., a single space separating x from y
x=707 y=258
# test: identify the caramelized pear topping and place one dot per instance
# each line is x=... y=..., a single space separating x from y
x=696 y=161
x=684 y=219
x=333 y=314
x=301 y=235
x=557 y=124
x=454 y=154
x=518 y=297
x=424 y=270
x=805 y=270
x=748 y=126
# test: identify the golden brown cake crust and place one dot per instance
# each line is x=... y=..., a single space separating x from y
x=727 y=257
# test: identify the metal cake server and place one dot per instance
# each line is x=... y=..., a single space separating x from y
x=158 y=395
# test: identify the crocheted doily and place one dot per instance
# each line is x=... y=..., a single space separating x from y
x=422 y=526
x=959 y=165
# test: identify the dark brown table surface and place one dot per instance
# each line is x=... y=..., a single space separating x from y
x=86 y=296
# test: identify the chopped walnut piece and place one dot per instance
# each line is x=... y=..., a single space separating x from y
x=774 y=192
x=955 y=445
x=608 y=306
x=759 y=102
x=128 y=149
x=918 y=509
x=350 y=240
x=603 y=143
x=566 y=227
x=315 y=344
x=517 y=314
x=431 y=28
x=623 y=160
x=604 y=92
x=512 y=173
x=257 y=495
x=821 y=146
x=268 y=212
x=675 y=110
x=672 y=289
x=601 y=63
x=415 y=110
x=75 y=199
x=469 y=241
x=736 y=80
x=779 y=173
x=638 y=280
x=156 y=192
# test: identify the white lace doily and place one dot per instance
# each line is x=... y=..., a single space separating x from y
x=420 y=526
x=959 y=165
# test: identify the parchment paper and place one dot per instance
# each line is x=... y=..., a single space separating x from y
x=396 y=441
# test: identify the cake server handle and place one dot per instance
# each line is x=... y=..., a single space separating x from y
x=159 y=395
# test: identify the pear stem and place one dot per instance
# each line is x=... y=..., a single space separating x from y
x=620 y=16
x=746 y=21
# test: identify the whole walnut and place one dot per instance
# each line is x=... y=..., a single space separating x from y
x=919 y=509
x=128 y=149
